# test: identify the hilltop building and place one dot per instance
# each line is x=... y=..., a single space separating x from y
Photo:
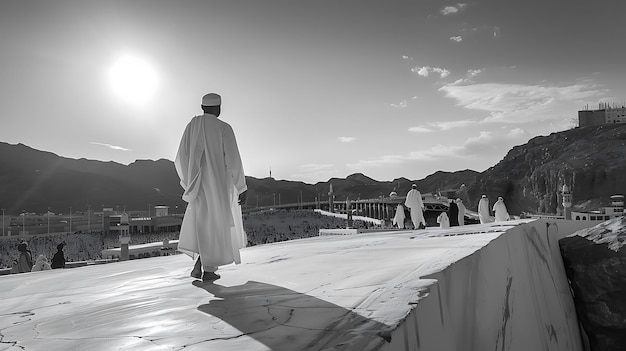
x=603 y=214
x=616 y=209
x=605 y=114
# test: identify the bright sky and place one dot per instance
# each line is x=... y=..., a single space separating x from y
x=313 y=89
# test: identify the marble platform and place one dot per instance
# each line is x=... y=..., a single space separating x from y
x=477 y=287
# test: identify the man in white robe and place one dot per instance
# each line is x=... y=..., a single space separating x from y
x=212 y=176
x=415 y=203
x=398 y=219
x=443 y=220
x=483 y=209
x=499 y=210
x=459 y=204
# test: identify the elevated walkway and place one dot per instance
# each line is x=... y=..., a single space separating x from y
x=477 y=287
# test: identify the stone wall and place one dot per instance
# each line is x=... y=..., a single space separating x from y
x=512 y=294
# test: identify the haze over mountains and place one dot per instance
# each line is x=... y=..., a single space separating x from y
x=591 y=160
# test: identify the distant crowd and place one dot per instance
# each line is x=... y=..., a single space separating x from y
x=261 y=228
x=274 y=226
x=77 y=246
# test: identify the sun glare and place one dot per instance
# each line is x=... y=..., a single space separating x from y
x=133 y=79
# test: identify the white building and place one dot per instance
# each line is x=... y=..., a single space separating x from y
x=605 y=114
x=616 y=209
x=603 y=214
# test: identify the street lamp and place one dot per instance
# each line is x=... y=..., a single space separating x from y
x=48 y=220
x=88 y=218
x=70 y=219
x=23 y=221
x=3 y=222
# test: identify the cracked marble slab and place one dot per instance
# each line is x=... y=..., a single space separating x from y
x=350 y=292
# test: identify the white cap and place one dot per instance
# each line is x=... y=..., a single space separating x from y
x=211 y=99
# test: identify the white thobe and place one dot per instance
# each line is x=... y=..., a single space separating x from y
x=398 y=219
x=415 y=203
x=443 y=220
x=483 y=210
x=211 y=174
x=461 y=213
x=500 y=212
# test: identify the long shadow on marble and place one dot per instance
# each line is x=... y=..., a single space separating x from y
x=286 y=320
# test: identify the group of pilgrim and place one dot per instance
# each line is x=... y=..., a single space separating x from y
x=455 y=215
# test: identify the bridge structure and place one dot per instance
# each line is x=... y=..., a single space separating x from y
x=383 y=208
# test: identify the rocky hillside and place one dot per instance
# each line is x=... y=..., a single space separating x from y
x=590 y=160
x=33 y=181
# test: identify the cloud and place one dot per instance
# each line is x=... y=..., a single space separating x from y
x=452 y=9
x=448 y=10
x=496 y=31
x=487 y=144
x=457 y=38
x=452 y=124
x=420 y=129
x=436 y=152
x=402 y=104
x=405 y=57
x=114 y=147
x=443 y=126
x=471 y=73
x=517 y=103
x=426 y=70
x=313 y=172
x=346 y=139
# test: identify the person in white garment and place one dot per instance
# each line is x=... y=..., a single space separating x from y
x=211 y=174
x=499 y=210
x=459 y=204
x=483 y=209
x=415 y=203
x=398 y=219
x=41 y=264
x=443 y=220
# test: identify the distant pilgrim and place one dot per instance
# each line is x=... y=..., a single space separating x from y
x=415 y=203
x=499 y=210
x=483 y=209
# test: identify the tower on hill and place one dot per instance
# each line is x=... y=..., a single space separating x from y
x=567 y=201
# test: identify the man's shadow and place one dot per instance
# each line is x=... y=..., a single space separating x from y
x=286 y=320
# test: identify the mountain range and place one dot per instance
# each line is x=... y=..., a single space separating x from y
x=590 y=160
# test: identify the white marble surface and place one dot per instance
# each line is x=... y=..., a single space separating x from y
x=328 y=293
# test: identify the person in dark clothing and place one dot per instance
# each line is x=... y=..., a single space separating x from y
x=453 y=214
x=58 y=260
x=25 y=261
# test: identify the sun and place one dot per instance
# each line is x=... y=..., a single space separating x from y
x=133 y=79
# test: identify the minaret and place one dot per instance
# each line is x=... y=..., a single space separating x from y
x=331 y=199
x=567 y=202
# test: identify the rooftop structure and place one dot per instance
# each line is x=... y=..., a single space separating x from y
x=605 y=114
